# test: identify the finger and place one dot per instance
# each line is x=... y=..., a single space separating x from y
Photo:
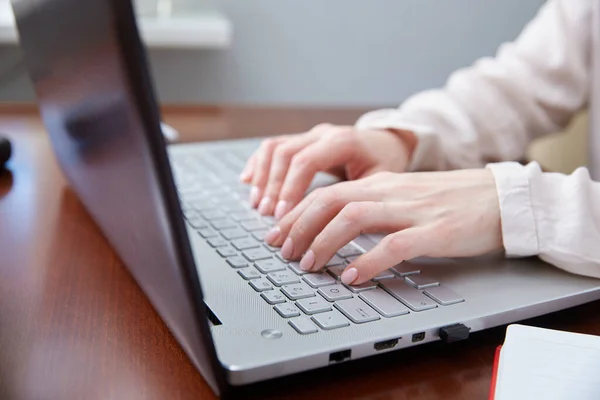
x=274 y=237
x=393 y=249
x=261 y=169
x=318 y=214
x=333 y=150
x=354 y=219
x=246 y=175
x=282 y=156
x=280 y=232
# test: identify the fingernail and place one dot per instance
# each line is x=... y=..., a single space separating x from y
x=281 y=209
x=254 y=193
x=307 y=261
x=244 y=176
x=349 y=276
x=265 y=206
x=272 y=235
x=288 y=249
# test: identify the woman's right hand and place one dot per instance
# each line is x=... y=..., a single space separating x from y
x=281 y=170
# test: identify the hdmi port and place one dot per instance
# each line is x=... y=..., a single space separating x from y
x=386 y=344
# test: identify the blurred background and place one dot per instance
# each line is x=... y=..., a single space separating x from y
x=333 y=53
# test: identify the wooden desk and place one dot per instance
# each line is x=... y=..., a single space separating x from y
x=73 y=323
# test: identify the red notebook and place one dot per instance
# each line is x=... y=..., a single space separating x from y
x=537 y=363
x=495 y=373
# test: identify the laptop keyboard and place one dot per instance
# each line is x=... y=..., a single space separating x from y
x=215 y=204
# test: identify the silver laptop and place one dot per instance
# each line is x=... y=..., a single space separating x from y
x=180 y=221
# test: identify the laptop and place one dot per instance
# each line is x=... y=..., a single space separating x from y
x=179 y=219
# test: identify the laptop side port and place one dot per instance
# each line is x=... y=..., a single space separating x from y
x=386 y=344
x=340 y=356
x=417 y=337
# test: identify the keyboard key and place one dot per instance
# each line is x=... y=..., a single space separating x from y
x=253 y=225
x=198 y=223
x=190 y=214
x=295 y=266
x=410 y=296
x=317 y=280
x=313 y=305
x=213 y=215
x=273 y=297
x=220 y=198
x=271 y=248
x=207 y=232
x=203 y=204
x=270 y=265
x=281 y=278
x=387 y=274
x=245 y=215
x=368 y=285
x=260 y=234
x=336 y=260
x=261 y=284
x=279 y=256
x=330 y=320
x=357 y=310
x=249 y=273
x=421 y=281
x=350 y=260
x=188 y=190
x=233 y=233
x=349 y=250
x=287 y=310
x=218 y=242
x=303 y=326
x=336 y=272
x=297 y=291
x=237 y=262
x=335 y=292
x=226 y=251
x=405 y=270
x=245 y=243
x=259 y=253
x=216 y=191
x=242 y=192
x=232 y=207
x=221 y=224
x=443 y=295
x=269 y=221
x=384 y=303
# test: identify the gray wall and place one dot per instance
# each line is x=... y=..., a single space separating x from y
x=328 y=52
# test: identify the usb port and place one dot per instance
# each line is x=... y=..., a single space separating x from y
x=340 y=356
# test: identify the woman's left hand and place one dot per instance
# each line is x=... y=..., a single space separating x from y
x=435 y=214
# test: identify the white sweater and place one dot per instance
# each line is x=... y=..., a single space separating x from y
x=488 y=114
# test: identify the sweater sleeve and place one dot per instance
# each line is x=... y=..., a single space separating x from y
x=490 y=111
x=554 y=216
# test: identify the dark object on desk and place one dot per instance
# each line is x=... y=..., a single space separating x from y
x=5 y=151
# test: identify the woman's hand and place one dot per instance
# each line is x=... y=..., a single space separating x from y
x=436 y=214
x=282 y=169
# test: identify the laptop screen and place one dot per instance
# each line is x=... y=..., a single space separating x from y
x=95 y=96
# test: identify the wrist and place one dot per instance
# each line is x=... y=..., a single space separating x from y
x=408 y=139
